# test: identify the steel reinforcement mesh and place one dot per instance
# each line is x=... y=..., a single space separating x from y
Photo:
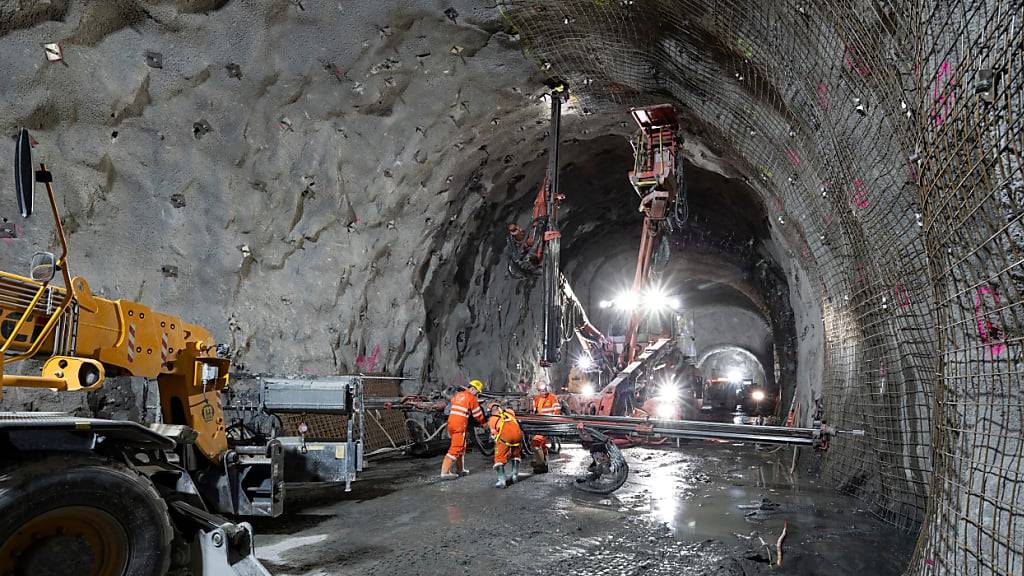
x=885 y=140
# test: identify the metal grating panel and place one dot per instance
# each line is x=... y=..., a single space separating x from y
x=384 y=428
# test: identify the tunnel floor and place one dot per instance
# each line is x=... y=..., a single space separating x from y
x=696 y=510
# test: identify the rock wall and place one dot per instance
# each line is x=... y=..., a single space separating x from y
x=321 y=186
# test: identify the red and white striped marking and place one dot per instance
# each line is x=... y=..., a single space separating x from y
x=131 y=342
x=163 y=349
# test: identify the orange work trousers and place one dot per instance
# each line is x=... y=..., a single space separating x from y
x=458 y=446
x=502 y=451
x=508 y=442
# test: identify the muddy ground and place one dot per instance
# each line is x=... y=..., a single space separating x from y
x=697 y=510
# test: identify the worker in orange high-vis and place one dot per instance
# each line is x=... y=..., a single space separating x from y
x=545 y=403
x=508 y=442
x=464 y=405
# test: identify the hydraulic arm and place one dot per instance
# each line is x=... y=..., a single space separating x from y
x=654 y=178
x=538 y=250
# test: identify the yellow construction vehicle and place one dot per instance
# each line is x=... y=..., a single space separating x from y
x=98 y=497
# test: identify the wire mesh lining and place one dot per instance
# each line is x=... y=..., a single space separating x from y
x=885 y=140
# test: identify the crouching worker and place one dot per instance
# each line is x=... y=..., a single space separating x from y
x=508 y=442
x=545 y=403
x=464 y=405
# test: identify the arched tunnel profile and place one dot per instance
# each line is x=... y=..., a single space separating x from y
x=313 y=188
x=721 y=359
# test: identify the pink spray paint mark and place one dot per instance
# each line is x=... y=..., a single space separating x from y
x=369 y=363
x=860 y=196
x=793 y=158
x=19 y=231
x=942 y=94
x=901 y=295
x=854 y=63
x=823 y=96
x=860 y=275
x=911 y=171
x=988 y=331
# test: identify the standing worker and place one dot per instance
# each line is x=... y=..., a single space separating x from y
x=508 y=441
x=545 y=403
x=464 y=405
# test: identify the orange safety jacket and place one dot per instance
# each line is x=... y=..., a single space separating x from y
x=464 y=404
x=547 y=405
x=505 y=428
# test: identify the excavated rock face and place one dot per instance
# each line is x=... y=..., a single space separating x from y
x=323 y=187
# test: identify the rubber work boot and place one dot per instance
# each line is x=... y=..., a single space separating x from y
x=446 y=469
x=501 y=483
x=515 y=471
x=540 y=461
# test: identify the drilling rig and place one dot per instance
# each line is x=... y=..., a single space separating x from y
x=107 y=497
x=538 y=251
x=656 y=176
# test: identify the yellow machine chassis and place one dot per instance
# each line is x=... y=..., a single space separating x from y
x=98 y=335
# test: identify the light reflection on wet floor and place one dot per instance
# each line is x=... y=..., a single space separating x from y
x=697 y=507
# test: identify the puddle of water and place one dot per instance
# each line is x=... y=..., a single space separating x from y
x=703 y=511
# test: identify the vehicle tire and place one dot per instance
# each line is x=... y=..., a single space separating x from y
x=607 y=471
x=69 y=513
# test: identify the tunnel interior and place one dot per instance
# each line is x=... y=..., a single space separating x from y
x=326 y=189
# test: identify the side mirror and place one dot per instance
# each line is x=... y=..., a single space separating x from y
x=43 y=266
x=24 y=175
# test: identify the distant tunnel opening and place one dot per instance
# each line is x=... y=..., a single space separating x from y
x=721 y=266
